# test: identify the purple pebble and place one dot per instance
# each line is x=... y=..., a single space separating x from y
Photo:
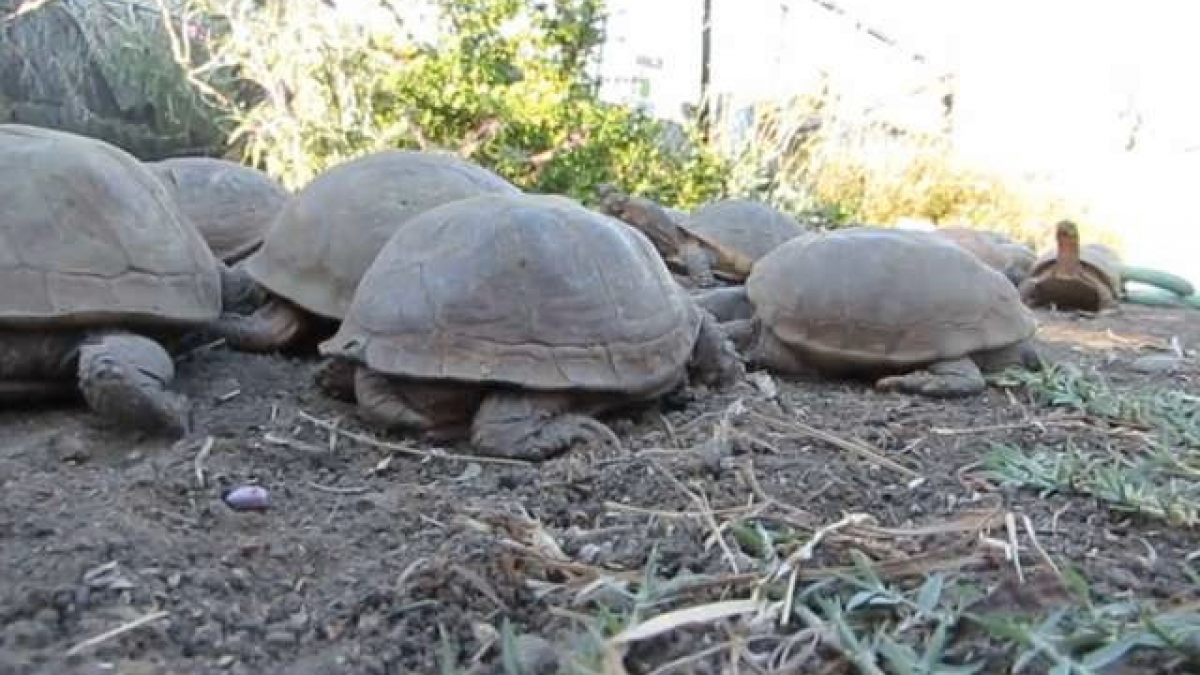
x=247 y=498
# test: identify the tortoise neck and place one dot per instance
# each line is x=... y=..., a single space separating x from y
x=1068 y=251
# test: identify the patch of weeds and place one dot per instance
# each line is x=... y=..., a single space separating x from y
x=1158 y=476
x=880 y=627
x=1172 y=415
x=1140 y=487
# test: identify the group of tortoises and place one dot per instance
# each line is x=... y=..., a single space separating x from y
x=444 y=300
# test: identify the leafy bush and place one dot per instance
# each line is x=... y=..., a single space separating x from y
x=506 y=83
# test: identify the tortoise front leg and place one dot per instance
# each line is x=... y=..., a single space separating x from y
x=124 y=379
x=944 y=379
x=533 y=425
x=273 y=326
x=715 y=361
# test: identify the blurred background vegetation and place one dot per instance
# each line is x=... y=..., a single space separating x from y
x=295 y=87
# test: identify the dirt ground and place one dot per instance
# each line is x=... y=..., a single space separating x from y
x=371 y=558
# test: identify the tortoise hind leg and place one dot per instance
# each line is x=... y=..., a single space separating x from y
x=533 y=425
x=435 y=409
x=124 y=379
x=335 y=377
x=944 y=379
x=273 y=326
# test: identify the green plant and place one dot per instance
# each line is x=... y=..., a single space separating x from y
x=506 y=83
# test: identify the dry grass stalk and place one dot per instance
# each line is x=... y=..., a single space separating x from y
x=401 y=449
x=855 y=447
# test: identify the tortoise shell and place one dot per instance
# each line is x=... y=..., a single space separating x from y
x=88 y=235
x=867 y=297
x=746 y=226
x=329 y=232
x=534 y=291
x=231 y=204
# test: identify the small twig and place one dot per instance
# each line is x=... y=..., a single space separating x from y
x=1066 y=421
x=637 y=510
x=1010 y=524
x=406 y=450
x=855 y=447
x=706 y=512
x=119 y=630
x=357 y=490
x=1037 y=546
x=201 y=457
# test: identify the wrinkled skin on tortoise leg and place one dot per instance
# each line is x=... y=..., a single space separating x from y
x=37 y=367
x=124 y=379
x=536 y=425
x=335 y=377
x=438 y=410
x=726 y=304
x=715 y=361
x=944 y=379
x=272 y=327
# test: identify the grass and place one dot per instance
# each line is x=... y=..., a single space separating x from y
x=1155 y=475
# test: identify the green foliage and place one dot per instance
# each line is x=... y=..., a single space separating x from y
x=511 y=79
x=506 y=83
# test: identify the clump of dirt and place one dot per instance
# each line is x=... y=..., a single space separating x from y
x=384 y=555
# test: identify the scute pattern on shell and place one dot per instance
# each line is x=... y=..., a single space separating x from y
x=869 y=297
x=750 y=227
x=231 y=204
x=329 y=232
x=87 y=234
x=529 y=290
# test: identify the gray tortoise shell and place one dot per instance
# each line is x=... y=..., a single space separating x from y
x=876 y=297
x=329 y=232
x=89 y=235
x=529 y=290
x=231 y=204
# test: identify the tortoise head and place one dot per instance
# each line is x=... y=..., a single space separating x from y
x=1067 y=235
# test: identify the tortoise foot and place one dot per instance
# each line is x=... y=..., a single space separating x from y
x=533 y=427
x=946 y=379
x=124 y=379
x=335 y=377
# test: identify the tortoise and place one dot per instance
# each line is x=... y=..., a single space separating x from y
x=231 y=204
x=101 y=273
x=1073 y=277
x=328 y=233
x=1010 y=258
x=519 y=317
x=863 y=302
x=749 y=227
x=722 y=239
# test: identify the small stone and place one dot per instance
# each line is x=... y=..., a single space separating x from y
x=535 y=655
x=226 y=661
x=1154 y=364
x=247 y=498
x=280 y=638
